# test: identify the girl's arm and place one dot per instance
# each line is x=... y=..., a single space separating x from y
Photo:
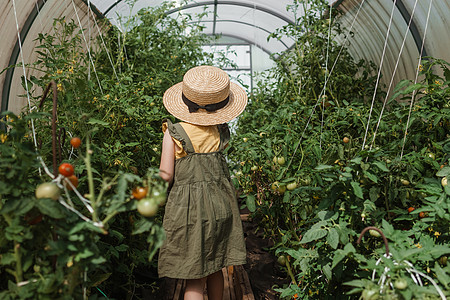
x=166 y=167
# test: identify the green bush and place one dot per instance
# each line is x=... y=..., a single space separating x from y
x=314 y=177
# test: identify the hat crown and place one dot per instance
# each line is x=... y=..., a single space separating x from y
x=206 y=85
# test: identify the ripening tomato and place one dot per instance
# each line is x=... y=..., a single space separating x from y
x=139 y=192
x=73 y=179
x=422 y=214
x=48 y=190
x=346 y=140
x=75 y=142
x=66 y=169
x=147 y=207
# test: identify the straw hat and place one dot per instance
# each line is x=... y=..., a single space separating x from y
x=205 y=97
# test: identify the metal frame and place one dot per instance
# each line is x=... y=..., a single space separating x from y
x=239 y=22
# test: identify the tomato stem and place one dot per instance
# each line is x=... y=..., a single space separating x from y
x=18 y=274
x=87 y=160
x=289 y=270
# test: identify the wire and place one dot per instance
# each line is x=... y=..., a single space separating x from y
x=321 y=93
x=415 y=80
x=393 y=74
x=379 y=73
x=87 y=46
x=24 y=73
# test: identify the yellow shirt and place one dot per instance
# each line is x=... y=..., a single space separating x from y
x=204 y=139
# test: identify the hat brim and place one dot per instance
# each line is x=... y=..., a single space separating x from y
x=173 y=102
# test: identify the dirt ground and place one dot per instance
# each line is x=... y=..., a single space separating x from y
x=263 y=271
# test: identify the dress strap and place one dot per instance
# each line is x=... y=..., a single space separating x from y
x=224 y=132
x=183 y=138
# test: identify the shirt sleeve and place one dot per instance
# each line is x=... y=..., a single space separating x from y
x=179 y=152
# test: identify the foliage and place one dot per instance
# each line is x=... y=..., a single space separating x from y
x=345 y=166
x=110 y=97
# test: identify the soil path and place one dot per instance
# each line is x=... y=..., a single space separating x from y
x=263 y=271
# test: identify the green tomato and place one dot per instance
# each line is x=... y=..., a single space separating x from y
x=370 y=294
x=404 y=181
x=281 y=260
x=292 y=186
x=444 y=181
x=147 y=207
x=401 y=284
x=281 y=161
x=159 y=197
x=374 y=233
x=245 y=140
x=254 y=168
x=48 y=190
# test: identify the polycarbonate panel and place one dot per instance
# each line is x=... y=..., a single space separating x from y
x=43 y=23
x=266 y=16
x=371 y=27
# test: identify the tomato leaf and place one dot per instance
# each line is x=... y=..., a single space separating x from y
x=250 y=201
x=50 y=208
x=381 y=166
x=357 y=189
x=327 y=271
x=445 y=171
x=313 y=234
x=340 y=254
x=371 y=176
x=333 y=238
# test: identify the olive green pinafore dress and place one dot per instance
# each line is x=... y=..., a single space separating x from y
x=202 y=222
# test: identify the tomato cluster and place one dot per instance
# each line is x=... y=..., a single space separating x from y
x=148 y=203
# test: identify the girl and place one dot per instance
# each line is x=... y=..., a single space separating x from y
x=201 y=221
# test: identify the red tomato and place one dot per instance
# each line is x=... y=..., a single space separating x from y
x=411 y=209
x=139 y=192
x=66 y=169
x=422 y=214
x=74 y=180
x=75 y=142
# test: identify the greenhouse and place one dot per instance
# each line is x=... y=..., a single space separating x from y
x=225 y=149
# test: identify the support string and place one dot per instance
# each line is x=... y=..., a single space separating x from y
x=321 y=93
x=393 y=74
x=379 y=73
x=415 y=79
x=87 y=46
